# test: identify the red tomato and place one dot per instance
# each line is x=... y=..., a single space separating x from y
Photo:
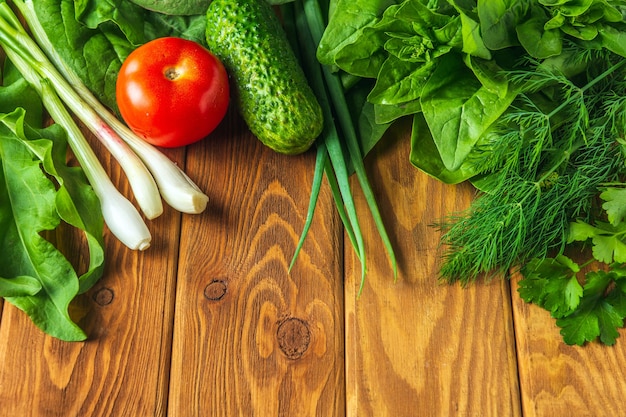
x=172 y=92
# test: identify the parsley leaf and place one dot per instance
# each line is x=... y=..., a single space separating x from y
x=615 y=204
x=597 y=308
x=552 y=284
x=608 y=241
x=600 y=313
x=583 y=312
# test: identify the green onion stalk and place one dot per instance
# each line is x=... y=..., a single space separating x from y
x=176 y=188
x=150 y=173
x=32 y=63
x=120 y=215
x=306 y=21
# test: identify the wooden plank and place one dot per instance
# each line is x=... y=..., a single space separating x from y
x=561 y=380
x=123 y=369
x=418 y=347
x=250 y=338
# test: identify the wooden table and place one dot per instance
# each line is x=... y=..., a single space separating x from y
x=209 y=322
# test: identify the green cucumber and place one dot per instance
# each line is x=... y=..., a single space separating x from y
x=269 y=85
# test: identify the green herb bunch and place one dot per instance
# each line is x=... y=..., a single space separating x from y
x=551 y=152
x=586 y=303
x=524 y=99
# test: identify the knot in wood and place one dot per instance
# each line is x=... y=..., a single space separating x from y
x=215 y=290
x=293 y=337
x=104 y=296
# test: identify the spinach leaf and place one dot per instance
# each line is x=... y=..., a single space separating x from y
x=498 y=20
x=27 y=201
x=19 y=286
x=127 y=16
x=581 y=19
x=175 y=7
x=426 y=156
x=388 y=113
x=537 y=38
x=365 y=56
x=400 y=50
x=613 y=39
x=594 y=24
x=459 y=108
x=473 y=43
x=400 y=81
x=187 y=27
x=427 y=57
x=369 y=129
x=346 y=23
x=18 y=93
x=95 y=55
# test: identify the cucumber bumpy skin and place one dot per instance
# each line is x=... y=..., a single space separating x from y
x=269 y=86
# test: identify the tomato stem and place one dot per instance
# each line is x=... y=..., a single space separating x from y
x=172 y=73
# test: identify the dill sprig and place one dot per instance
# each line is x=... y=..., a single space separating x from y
x=545 y=160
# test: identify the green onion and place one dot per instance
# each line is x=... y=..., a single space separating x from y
x=315 y=21
x=330 y=156
x=121 y=217
x=331 y=153
x=151 y=174
x=176 y=188
x=15 y=38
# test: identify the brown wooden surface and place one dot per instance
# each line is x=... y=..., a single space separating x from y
x=209 y=322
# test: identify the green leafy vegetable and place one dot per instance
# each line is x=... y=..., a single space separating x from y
x=614 y=204
x=498 y=20
x=37 y=192
x=525 y=99
x=583 y=312
x=608 y=241
x=554 y=160
x=459 y=108
x=596 y=308
x=537 y=37
x=427 y=58
x=599 y=314
x=552 y=284
x=425 y=155
x=175 y=7
x=346 y=23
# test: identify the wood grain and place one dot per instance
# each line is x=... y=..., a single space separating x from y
x=123 y=369
x=418 y=347
x=560 y=380
x=210 y=322
x=252 y=339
